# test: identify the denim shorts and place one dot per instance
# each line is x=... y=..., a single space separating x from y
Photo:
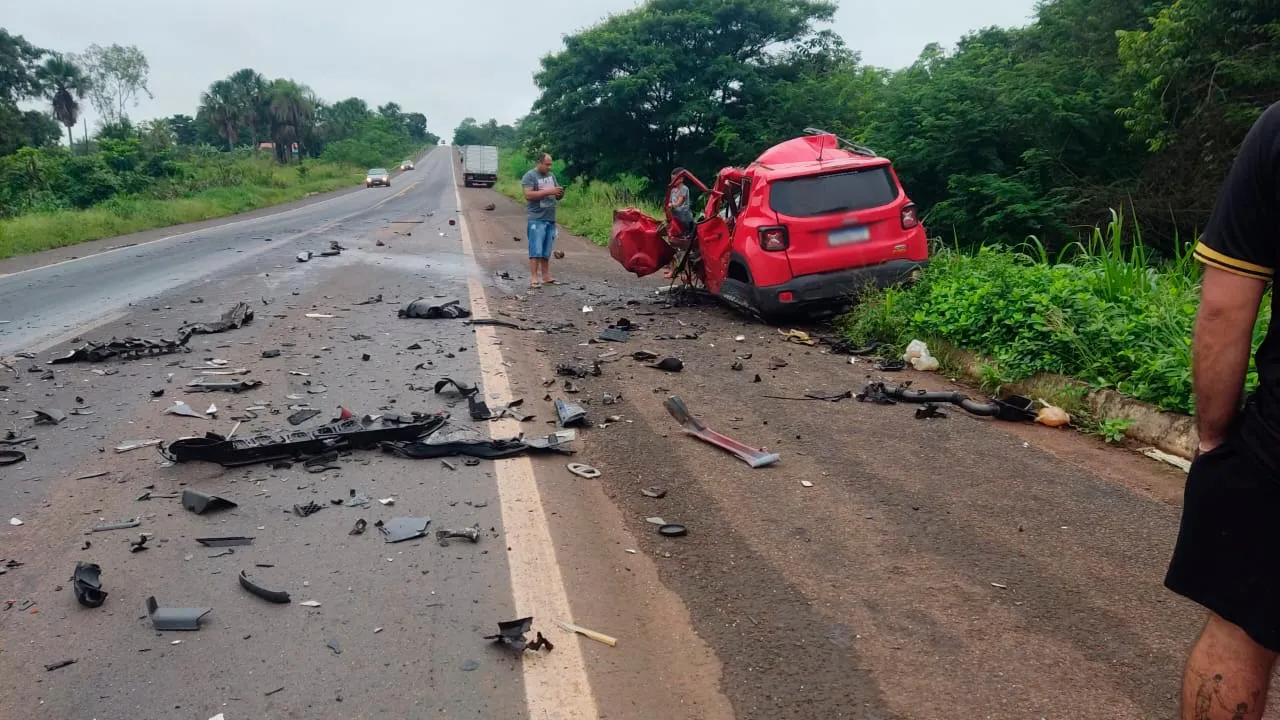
x=542 y=235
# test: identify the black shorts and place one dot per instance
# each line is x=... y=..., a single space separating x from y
x=1228 y=553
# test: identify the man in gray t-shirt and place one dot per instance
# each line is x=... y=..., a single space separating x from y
x=541 y=192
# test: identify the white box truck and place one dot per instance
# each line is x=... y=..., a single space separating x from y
x=479 y=166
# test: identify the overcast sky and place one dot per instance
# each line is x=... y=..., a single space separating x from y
x=449 y=59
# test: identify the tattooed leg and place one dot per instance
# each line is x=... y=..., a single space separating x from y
x=1227 y=675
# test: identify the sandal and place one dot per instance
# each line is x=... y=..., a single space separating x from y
x=552 y=281
x=535 y=286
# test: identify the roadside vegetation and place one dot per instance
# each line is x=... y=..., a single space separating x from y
x=1020 y=145
x=252 y=142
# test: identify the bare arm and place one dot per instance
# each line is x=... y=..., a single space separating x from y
x=1223 y=340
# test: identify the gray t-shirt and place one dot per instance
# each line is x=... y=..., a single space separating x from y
x=544 y=209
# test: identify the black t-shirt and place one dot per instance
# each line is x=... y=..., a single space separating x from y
x=1243 y=237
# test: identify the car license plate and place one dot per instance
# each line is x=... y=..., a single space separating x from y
x=848 y=236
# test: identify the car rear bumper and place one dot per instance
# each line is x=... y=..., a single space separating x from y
x=832 y=289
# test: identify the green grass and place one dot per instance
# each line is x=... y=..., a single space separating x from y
x=587 y=207
x=261 y=183
x=1103 y=311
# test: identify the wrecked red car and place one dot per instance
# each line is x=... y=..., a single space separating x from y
x=799 y=231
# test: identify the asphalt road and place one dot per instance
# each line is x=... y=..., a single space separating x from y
x=888 y=567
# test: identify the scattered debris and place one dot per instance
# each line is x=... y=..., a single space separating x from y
x=304 y=256
x=917 y=354
x=86 y=583
x=233 y=541
x=448 y=465
x=181 y=408
x=234 y=318
x=890 y=365
x=376 y=299
x=656 y=493
x=131 y=446
x=470 y=665
x=334 y=646
x=569 y=414
x=320 y=316
x=359 y=527
x=1181 y=463
x=740 y=338
x=307 y=510
x=799 y=337
x=490 y=207
x=205 y=385
x=117 y=525
x=421 y=308
x=829 y=396
x=478 y=408
x=302 y=416
x=512 y=634
x=578 y=370
x=929 y=411
x=309 y=603
x=670 y=364
x=472 y=533
x=200 y=503
x=583 y=471
x=777 y=363
x=175 y=618
x=403 y=528
x=752 y=456
x=273 y=596
x=138 y=545
x=588 y=309
x=643 y=356
x=806 y=483
x=16 y=522
x=11 y=457
x=59 y=664
x=655 y=521
x=126 y=349
x=598 y=637
x=267 y=354
x=1013 y=408
x=673 y=530
x=490 y=322
x=49 y=416
x=615 y=334
x=558 y=254
x=355 y=499
x=462 y=389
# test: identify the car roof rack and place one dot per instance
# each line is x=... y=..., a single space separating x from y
x=846 y=144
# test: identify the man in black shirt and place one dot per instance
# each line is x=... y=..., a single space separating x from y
x=1227 y=556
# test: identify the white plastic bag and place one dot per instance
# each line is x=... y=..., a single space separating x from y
x=918 y=355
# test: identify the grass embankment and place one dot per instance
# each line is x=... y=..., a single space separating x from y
x=1103 y=312
x=247 y=184
x=587 y=207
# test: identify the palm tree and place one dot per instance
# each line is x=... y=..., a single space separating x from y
x=251 y=88
x=222 y=105
x=292 y=114
x=66 y=84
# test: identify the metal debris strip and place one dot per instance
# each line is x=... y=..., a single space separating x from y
x=175 y=618
x=754 y=457
x=472 y=534
x=131 y=348
x=205 y=385
x=401 y=529
x=569 y=414
x=422 y=309
x=272 y=596
x=201 y=503
x=117 y=525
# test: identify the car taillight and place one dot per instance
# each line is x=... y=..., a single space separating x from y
x=910 y=218
x=774 y=239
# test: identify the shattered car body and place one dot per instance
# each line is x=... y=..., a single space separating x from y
x=799 y=231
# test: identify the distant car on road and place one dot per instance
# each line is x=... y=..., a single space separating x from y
x=406 y=165
x=377 y=176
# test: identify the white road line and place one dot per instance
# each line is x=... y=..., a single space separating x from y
x=555 y=686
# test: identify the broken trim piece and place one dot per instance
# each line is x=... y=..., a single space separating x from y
x=86 y=583
x=272 y=596
x=754 y=457
x=175 y=618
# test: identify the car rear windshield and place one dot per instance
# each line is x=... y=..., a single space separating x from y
x=829 y=194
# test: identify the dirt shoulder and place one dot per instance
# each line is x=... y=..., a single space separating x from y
x=943 y=568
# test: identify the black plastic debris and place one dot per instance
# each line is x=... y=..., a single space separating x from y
x=480 y=449
x=371 y=301
x=891 y=365
x=643 y=356
x=339 y=436
x=929 y=411
x=615 y=334
x=422 y=309
x=49 y=416
x=233 y=541
x=272 y=596
x=302 y=416
x=673 y=530
x=359 y=527
x=182 y=409
x=478 y=409
x=754 y=457
x=233 y=386
x=1015 y=408
x=334 y=646
x=491 y=322
x=911 y=395
x=11 y=457
x=512 y=635
x=571 y=387
x=307 y=510
x=126 y=349
x=157 y=393
x=117 y=525
x=59 y=665
x=875 y=393
x=403 y=528
x=268 y=354
x=461 y=388
x=472 y=534
x=86 y=583
x=175 y=618
x=358 y=337
x=670 y=364
x=512 y=410
x=201 y=503
x=139 y=545
x=569 y=414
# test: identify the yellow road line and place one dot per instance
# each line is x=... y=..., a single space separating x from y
x=555 y=686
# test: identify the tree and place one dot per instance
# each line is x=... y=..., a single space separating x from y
x=646 y=90
x=469 y=132
x=223 y=108
x=19 y=62
x=65 y=84
x=183 y=128
x=390 y=111
x=416 y=124
x=117 y=75
x=251 y=91
x=292 y=108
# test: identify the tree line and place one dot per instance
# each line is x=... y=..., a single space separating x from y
x=170 y=156
x=1038 y=130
